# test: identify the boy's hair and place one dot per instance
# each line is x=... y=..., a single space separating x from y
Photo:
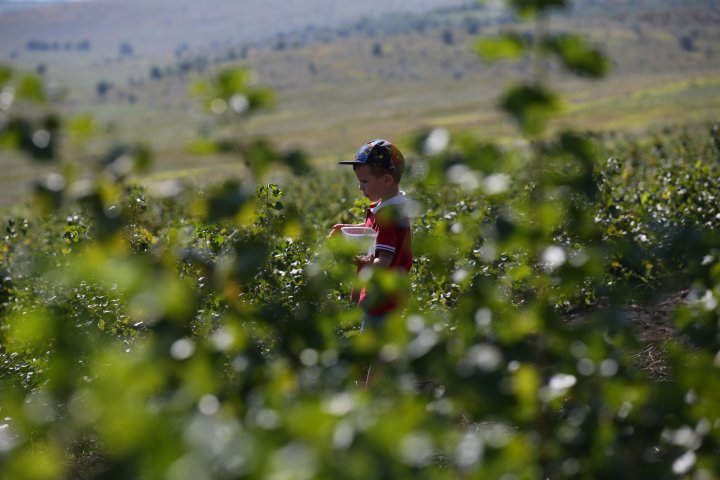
x=383 y=158
x=377 y=171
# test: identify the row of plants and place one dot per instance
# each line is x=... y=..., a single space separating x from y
x=214 y=316
x=169 y=330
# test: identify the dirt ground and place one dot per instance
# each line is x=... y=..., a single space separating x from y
x=654 y=326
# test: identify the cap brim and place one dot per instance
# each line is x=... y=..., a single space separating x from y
x=351 y=162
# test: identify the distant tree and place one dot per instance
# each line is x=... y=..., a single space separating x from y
x=448 y=37
x=638 y=30
x=41 y=68
x=181 y=49
x=126 y=50
x=312 y=68
x=102 y=88
x=687 y=43
x=185 y=66
x=83 y=45
x=200 y=64
x=156 y=73
x=68 y=46
x=377 y=49
x=38 y=45
x=472 y=25
x=419 y=25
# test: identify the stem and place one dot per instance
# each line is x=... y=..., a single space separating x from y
x=542 y=26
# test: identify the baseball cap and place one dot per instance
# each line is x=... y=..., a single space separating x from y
x=380 y=153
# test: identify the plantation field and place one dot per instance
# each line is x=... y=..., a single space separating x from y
x=330 y=93
x=202 y=322
x=172 y=306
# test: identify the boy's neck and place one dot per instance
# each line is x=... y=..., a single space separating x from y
x=391 y=194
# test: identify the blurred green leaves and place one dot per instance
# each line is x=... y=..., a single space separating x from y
x=507 y=46
x=577 y=56
x=6 y=74
x=206 y=332
x=30 y=87
x=531 y=107
x=228 y=348
x=530 y=8
x=37 y=134
x=232 y=91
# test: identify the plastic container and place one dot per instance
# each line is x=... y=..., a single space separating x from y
x=364 y=237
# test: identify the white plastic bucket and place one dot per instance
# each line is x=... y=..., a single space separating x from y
x=364 y=237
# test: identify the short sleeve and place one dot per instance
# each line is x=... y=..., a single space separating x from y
x=387 y=238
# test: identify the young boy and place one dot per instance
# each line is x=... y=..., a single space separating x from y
x=379 y=166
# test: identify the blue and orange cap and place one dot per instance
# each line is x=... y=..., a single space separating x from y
x=380 y=153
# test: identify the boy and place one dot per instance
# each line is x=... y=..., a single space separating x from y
x=379 y=166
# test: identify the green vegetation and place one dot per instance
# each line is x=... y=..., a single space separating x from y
x=161 y=328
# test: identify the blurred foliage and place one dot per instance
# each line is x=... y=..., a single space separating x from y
x=26 y=123
x=232 y=91
x=168 y=331
x=532 y=103
x=509 y=45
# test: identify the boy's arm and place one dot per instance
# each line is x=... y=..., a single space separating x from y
x=337 y=227
x=383 y=259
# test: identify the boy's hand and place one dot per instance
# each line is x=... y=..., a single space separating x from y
x=336 y=229
x=364 y=260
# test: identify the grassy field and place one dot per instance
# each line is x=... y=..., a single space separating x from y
x=334 y=95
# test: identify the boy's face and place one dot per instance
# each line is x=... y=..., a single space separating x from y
x=373 y=187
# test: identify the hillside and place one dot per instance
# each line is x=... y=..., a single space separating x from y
x=389 y=76
x=160 y=26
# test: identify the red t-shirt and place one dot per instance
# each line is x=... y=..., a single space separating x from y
x=392 y=224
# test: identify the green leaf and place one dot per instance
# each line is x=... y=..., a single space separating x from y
x=232 y=81
x=530 y=106
x=10 y=139
x=533 y=7
x=142 y=158
x=260 y=98
x=577 y=56
x=509 y=45
x=200 y=88
x=261 y=155
x=31 y=88
x=226 y=201
x=298 y=161
x=203 y=146
x=82 y=127
x=5 y=74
